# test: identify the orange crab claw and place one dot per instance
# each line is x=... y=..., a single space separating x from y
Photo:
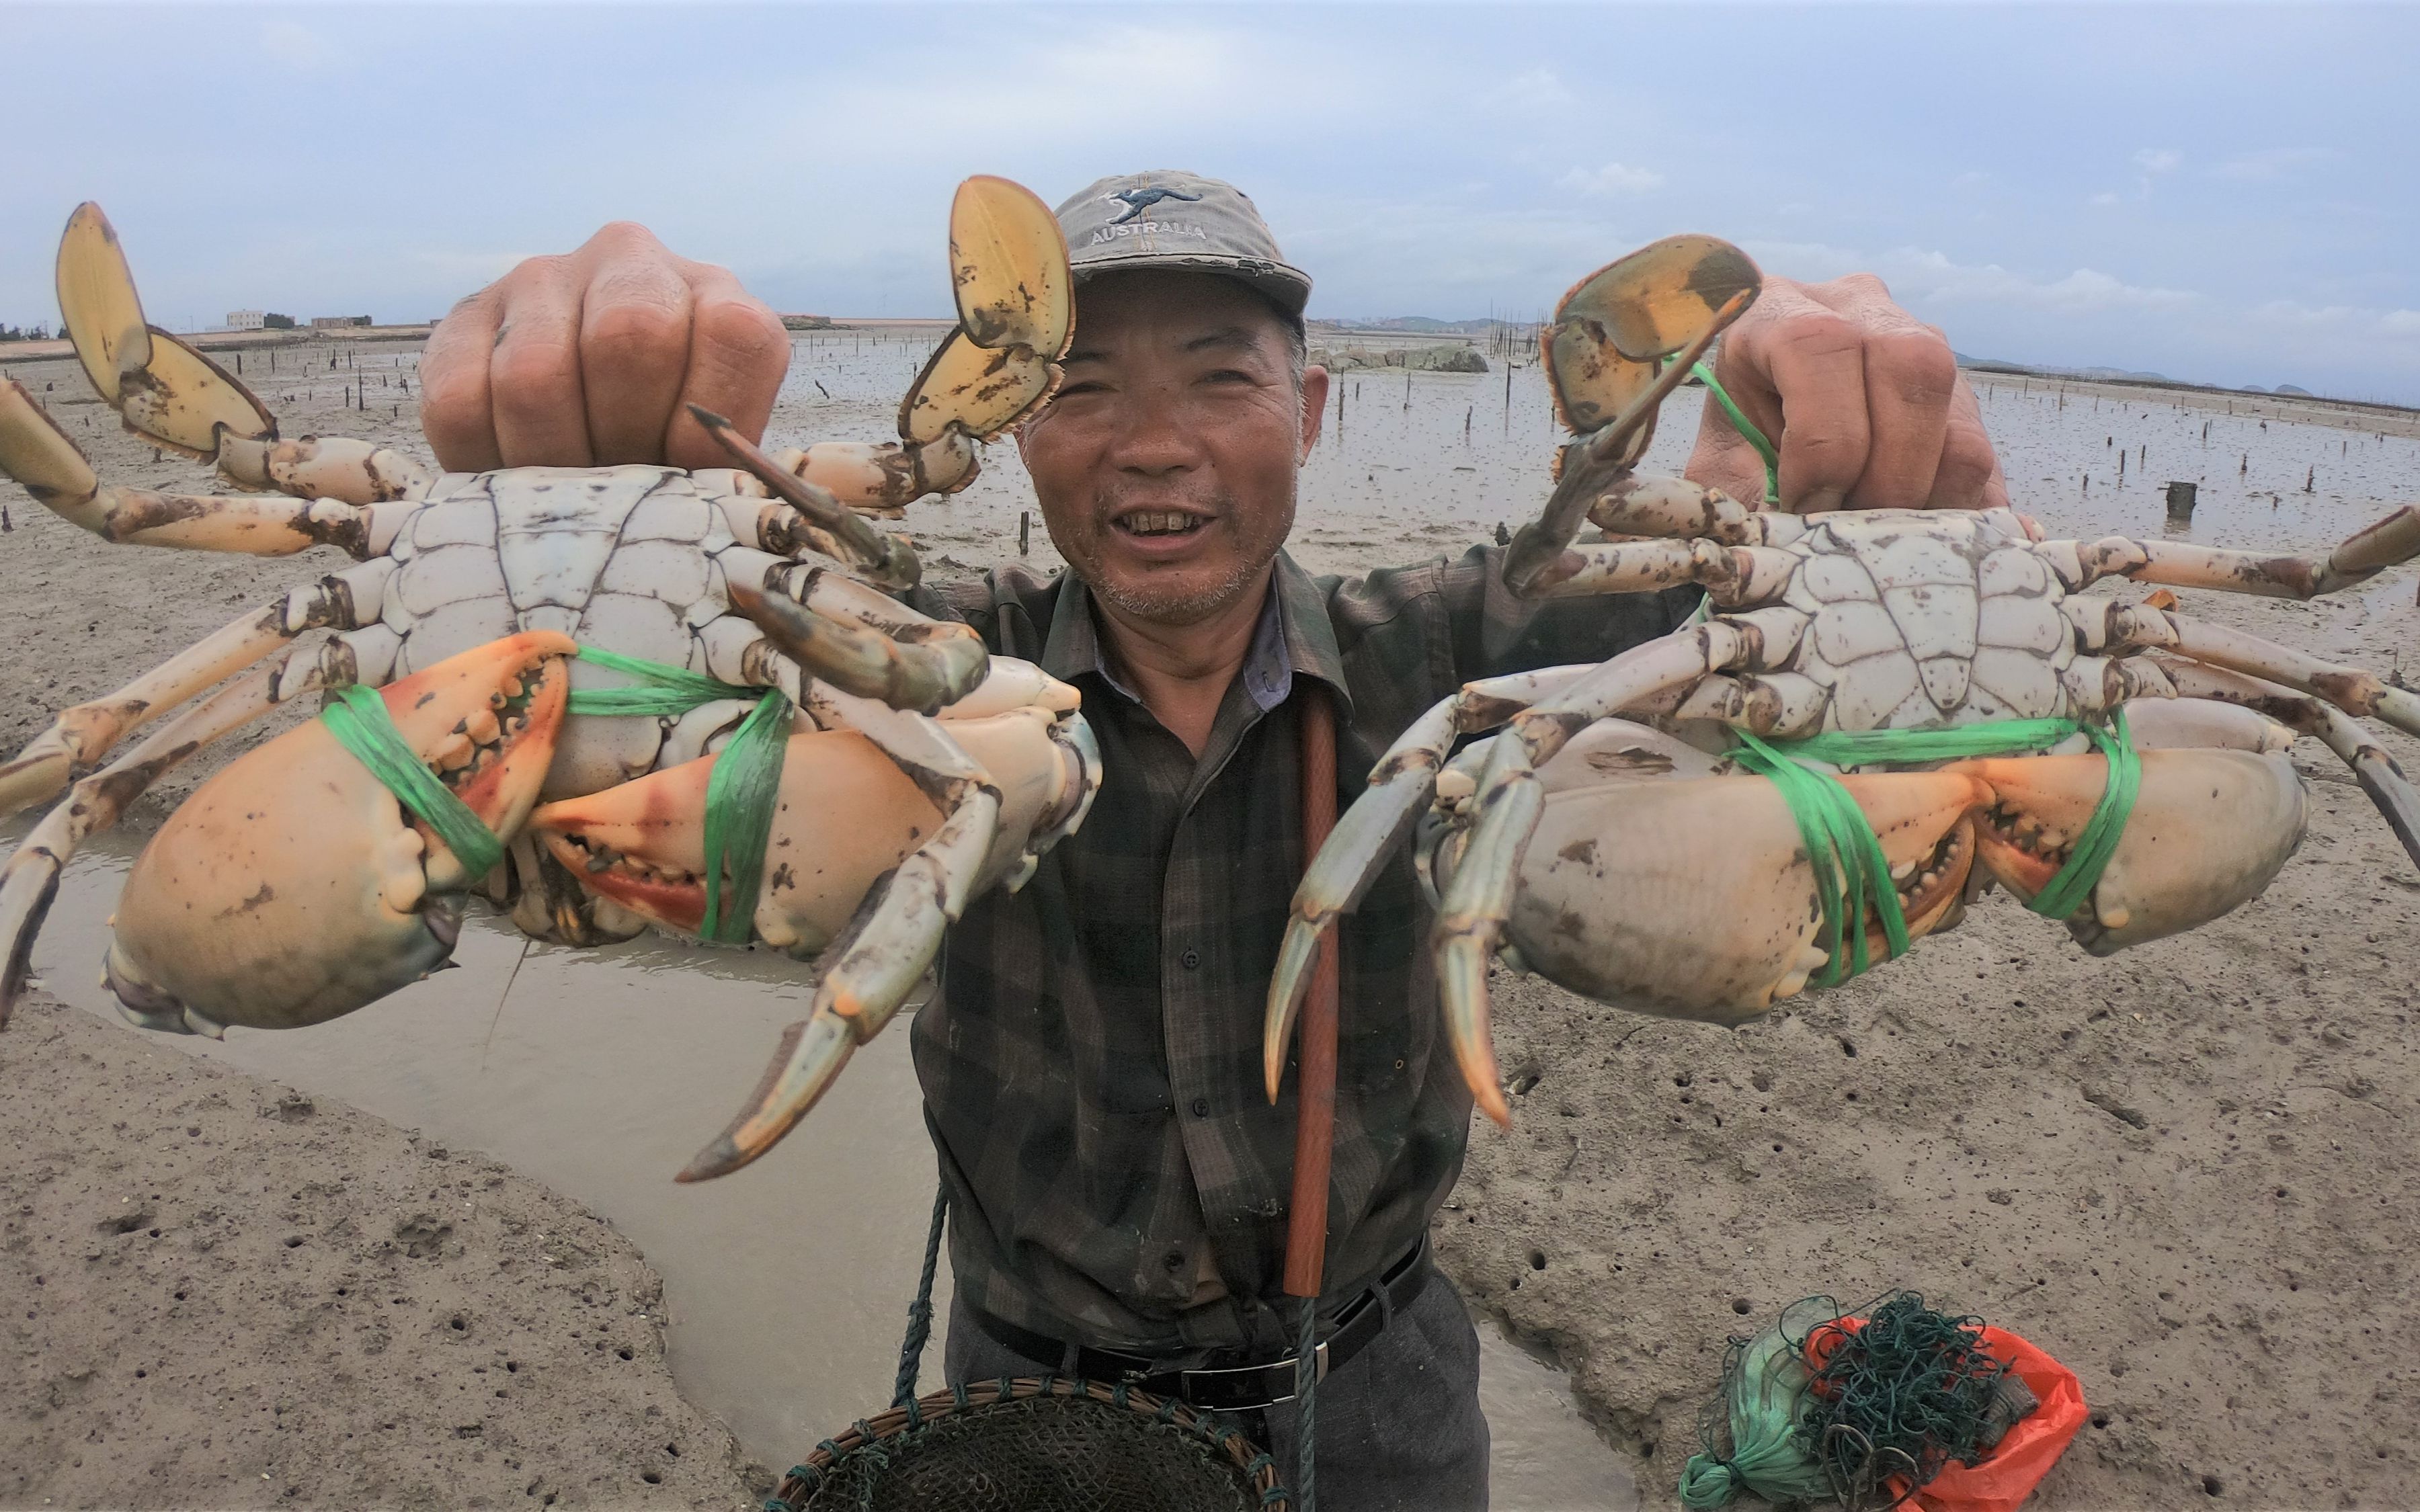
x=292 y=887
x=2209 y=831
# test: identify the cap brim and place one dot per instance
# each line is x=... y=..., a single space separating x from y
x=1287 y=287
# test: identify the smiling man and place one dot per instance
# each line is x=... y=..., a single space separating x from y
x=1092 y=1066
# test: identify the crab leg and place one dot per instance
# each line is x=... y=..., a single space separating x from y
x=173 y=397
x=2362 y=555
x=36 y=452
x=1639 y=503
x=877 y=961
x=1470 y=917
x=2373 y=767
x=31 y=878
x=881 y=557
x=85 y=733
x=865 y=642
x=1732 y=575
x=2350 y=689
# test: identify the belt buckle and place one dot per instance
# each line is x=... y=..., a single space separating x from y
x=1259 y=1387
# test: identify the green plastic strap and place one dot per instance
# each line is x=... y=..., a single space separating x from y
x=1747 y=427
x=1851 y=874
x=2099 y=841
x=740 y=796
x=357 y=717
x=1847 y=858
x=741 y=791
x=661 y=690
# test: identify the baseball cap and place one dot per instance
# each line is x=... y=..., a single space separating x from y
x=1168 y=218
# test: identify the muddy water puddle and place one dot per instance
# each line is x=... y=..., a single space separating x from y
x=600 y=1073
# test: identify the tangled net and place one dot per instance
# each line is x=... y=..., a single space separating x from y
x=1899 y=1399
x=1819 y=1406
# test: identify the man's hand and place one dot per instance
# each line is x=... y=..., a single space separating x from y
x=1865 y=401
x=594 y=358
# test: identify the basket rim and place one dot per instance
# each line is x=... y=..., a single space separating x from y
x=965 y=1395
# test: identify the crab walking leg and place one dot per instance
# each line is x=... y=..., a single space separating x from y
x=83 y=734
x=883 y=558
x=2350 y=689
x=1639 y=503
x=1401 y=785
x=323 y=467
x=1732 y=575
x=860 y=641
x=31 y=878
x=877 y=961
x=1470 y=917
x=1540 y=544
x=2362 y=555
x=36 y=452
x=2373 y=767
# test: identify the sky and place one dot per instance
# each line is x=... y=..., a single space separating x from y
x=2226 y=194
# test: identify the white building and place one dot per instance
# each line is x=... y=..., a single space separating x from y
x=245 y=319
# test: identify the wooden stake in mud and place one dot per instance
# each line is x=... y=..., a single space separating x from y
x=1024 y=530
x=1314 y=1127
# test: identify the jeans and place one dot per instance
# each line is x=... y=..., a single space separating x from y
x=1400 y=1428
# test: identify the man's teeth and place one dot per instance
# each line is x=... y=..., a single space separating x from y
x=1160 y=521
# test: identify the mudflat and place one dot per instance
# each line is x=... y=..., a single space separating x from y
x=2186 y=1171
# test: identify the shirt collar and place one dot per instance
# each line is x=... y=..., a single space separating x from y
x=1295 y=634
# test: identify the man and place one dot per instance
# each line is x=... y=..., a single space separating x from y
x=1090 y=1068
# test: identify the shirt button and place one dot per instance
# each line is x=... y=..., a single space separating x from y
x=1192 y=960
x=1200 y=1107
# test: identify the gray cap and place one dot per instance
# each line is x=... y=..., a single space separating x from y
x=1180 y=221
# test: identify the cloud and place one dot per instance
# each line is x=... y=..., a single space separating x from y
x=297 y=47
x=2402 y=323
x=1917 y=276
x=1971 y=178
x=1536 y=89
x=2159 y=160
x=1613 y=178
x=2270 y=163
x=2105 y=197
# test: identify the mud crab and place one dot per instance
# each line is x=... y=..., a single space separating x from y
x=1575 y=838
x=544 y=636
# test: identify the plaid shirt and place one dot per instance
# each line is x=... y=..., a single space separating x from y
x=1092 y=1066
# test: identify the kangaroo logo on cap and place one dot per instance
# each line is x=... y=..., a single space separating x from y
x=1139 y=200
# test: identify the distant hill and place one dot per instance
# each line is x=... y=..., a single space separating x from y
x=2100 y=375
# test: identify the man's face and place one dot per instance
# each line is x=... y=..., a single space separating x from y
x=1166 y=465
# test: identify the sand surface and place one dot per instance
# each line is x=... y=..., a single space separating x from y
x=2185 y=1171
x=222 y=1292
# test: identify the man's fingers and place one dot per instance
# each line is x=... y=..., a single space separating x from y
x=1910 y=379
x=453 y=412
x=738 y=355
x=533 y=374
x=1814 y=361
x=1969 y=476
x=634 y=338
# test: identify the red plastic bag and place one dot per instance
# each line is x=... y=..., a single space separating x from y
x=2009 y=1473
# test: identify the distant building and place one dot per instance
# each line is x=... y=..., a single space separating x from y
x=337 y=322
x=245 y=319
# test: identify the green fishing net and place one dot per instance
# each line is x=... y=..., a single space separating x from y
x=1892 y=1403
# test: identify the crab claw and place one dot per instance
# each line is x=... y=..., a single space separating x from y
x=1627 y=898
x=2209 y=831
x=290 y=888
x=846 y=820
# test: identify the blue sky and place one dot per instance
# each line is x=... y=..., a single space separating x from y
x=2222 y=193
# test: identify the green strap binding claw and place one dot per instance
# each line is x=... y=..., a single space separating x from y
x=1852 y=875
x=740 y=795
x=357 y=717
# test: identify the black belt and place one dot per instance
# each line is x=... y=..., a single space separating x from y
x=1231 y=1388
